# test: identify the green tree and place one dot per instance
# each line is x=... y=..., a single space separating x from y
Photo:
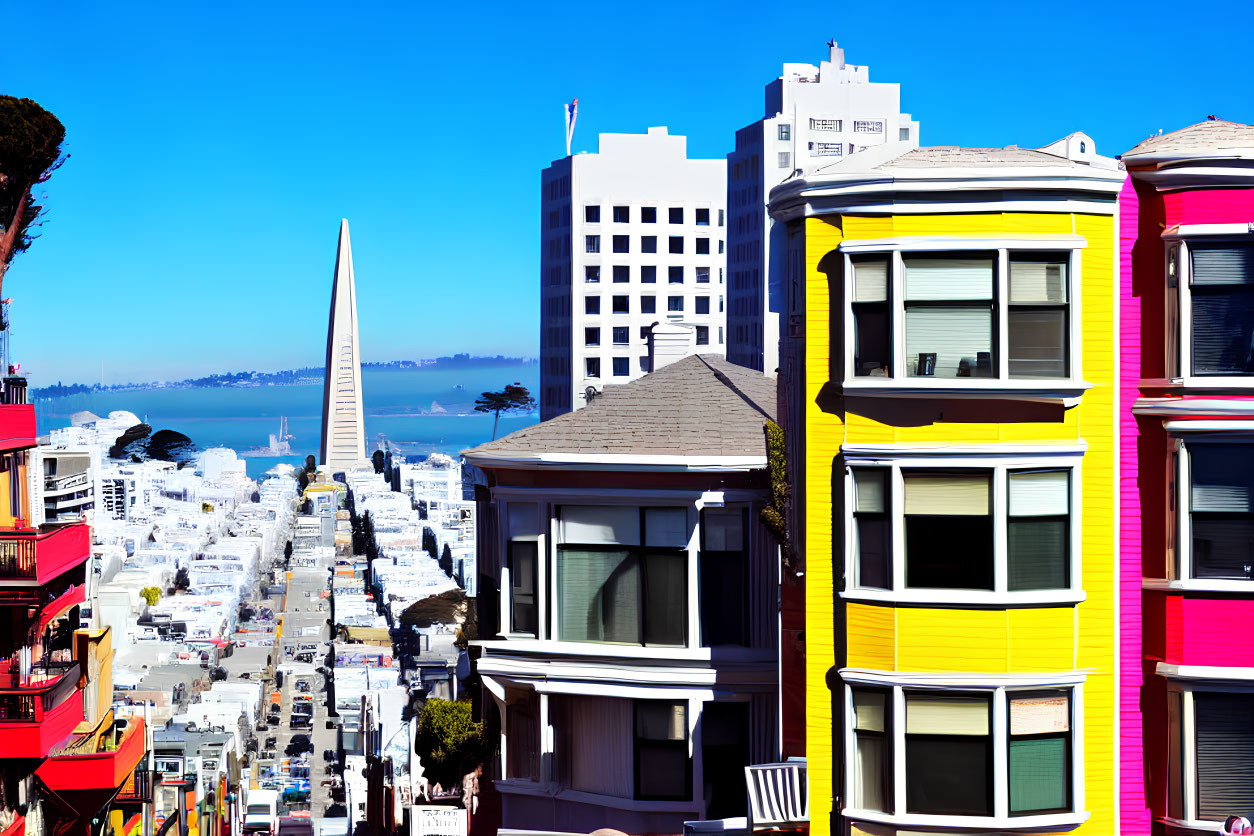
x=30 y=150
x=449 y=741
x=513 y=398
x=150 y=594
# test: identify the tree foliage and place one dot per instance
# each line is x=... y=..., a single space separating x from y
x=30 y=150
x=513 y=398
x=448 y=741
x=150 y=594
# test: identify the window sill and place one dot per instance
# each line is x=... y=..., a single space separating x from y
x=527 y=644
x=1001 y=824
x=967 y=598
x=1199 y=585
x=1065 y=391
x=1182 y=826
x=1217 y=383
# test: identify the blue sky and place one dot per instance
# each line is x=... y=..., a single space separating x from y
x=215 y=146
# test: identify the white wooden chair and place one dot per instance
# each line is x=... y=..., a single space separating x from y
x=779 y=797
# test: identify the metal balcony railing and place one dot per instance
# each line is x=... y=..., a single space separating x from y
x=29 y=703
x=137 y=789
x=14 y=392
x=43 y=554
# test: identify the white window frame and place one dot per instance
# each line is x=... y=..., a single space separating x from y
x=1000 y=465
x=1188 y=750
x=1179 y=342
x=506 y=599
x=1001 y=249
x=999 y=687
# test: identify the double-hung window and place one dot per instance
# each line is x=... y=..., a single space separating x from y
x=997 y=752
x=1211 y=736
x=662 y=765
x=1219 y=296
x=622 y=575
x=523 y=562
x=995 y=315
x=984 y=534
x=1216 y=520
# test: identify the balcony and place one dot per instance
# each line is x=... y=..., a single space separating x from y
x=100 y=760
x=137 y=789
x=17 y=417
x=39 y=712
x=42 y=555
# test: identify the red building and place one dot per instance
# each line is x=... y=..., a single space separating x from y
x=63 y=757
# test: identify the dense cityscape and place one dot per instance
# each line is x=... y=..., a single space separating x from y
x=868 y=487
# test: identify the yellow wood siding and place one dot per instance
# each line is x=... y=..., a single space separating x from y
x=927 y=639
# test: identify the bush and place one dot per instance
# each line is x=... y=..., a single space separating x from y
x=448 y=741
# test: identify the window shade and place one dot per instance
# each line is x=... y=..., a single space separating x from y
x=1223 y=329
x=1037 y=775
x=953 y=335
x=1038 y=549
x=870 y=488
x=1222 y=477
x=1039 y=494
x=597 y=725
x=936 y=279
x=661 y=720
x=947 y=494
x=524 y=519
x=599 y=524
x=1040 y=714
x=1225 y=754
x=1222 y=264
x=666 y=527
x=869 y=773
x=724 y=529
x=870 y=280
x=868 y=710
x=965 y=716
x=1037 y=283
x=598 y=596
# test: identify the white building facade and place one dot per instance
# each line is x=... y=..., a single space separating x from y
x=630 y=236
x=813 y=116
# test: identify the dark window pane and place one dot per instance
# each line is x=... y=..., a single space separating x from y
x=874 y=555
x=665 y=597
x=1225 y=755
x=1038 y=342
x=1040 y=772
x=1038 y=557
x=949 y=552
x=1223 y=329
x=870 y=342
x=949 y=775
x=1223 y=546
x=663 y=768
x=522 y=579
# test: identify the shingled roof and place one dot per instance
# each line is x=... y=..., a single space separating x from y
x=1211 y=135
x=701 y=405
x=943 y=156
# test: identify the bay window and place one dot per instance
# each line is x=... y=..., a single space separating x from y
x=987 y=534
x=1000 y=314
x=928 y=755
x=622 y=575
x=1221 y=289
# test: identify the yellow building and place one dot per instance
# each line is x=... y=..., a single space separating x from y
x=948 y=372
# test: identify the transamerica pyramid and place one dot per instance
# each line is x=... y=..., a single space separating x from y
x=343 y=429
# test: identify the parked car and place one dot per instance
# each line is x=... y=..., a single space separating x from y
x=329 y=755
x=299 y=743
x=295 y=795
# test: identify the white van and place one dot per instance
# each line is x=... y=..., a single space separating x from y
x=262 y=810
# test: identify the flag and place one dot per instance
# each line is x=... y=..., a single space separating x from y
x=572 y=112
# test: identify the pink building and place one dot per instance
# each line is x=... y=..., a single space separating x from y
x=1187 y=486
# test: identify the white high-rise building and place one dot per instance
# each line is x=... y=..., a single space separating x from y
x=630 y=236
x=343 y=428
x=814 y=116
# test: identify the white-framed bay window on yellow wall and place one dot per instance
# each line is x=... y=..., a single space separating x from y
x=946 y=314
x=964 y=751
x=966 y=530
x=1210 y=305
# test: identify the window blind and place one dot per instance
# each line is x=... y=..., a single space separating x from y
x=948 y=279
x=1040 y=714
x=1043 y=493
x=947 y=494
x=870 y=488
x=1223 y=329
x=868 y=710
x=1037 y=283
x=953 y=335
x=1222 y=477
x=1037 y=553
x=599 y=524
x=598 y=596
x=1037 y=774
x=661 y=720
x=945 y=715
x=1225 y=754
x=724 y=529
x=869 y=773
x=870 y=280
x=1222 y=264
x=666 y=527
x=597 y=726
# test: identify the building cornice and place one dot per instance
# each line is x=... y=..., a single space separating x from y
x=520 y=460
